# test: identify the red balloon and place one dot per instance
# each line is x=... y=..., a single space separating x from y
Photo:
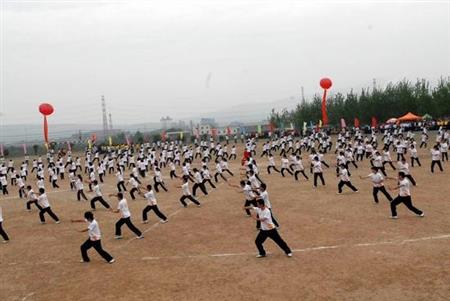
x=46 y=109
x=326 y=83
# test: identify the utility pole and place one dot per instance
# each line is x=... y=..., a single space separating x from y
x=110 y=122
x=105 y=120
x=303 y=96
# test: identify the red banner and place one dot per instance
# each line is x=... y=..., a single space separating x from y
x=374 y=122
x=324 y=108
x=356 y=123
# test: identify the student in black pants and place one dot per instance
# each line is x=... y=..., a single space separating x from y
x=344 y=179
x=32 y=199
x=404 y=196
x=94 y=240
x=152 y=205
x=98 y=196
x=187 y=193
x=122 y=207
x=378 y=184
x=2 y=232
x=45 y=205
x=268 y=230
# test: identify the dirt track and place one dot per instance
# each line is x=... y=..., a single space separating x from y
x=346 y=247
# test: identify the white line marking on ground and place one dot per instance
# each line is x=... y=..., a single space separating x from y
x=320 y=248
x=27 y=296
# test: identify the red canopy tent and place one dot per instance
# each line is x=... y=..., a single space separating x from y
x=409 y=117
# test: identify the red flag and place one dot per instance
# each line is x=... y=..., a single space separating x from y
x=163 y=136
x=356 y=123
x=324 y=108
x=93 y=137
x=374 y=122
x=228 y=131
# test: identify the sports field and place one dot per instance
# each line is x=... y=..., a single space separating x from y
x=345 y=246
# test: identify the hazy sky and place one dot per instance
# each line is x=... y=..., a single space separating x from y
x=182 y=58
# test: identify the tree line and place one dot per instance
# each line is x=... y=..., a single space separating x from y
x=394 y=100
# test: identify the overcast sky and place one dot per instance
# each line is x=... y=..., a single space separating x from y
x=182 y=58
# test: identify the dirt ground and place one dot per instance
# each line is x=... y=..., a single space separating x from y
x=345 y=246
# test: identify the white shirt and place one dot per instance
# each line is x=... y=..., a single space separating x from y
x=377 y=179
x=265 y=197
x=185 y=188
x=317 y=166
x=150 y=197
x=97 y=190
x=94 y=231
x=404 y=187
x=43 y=201
x=123 y=208
x=343 y=175
x=265 y=217
x=435 y=155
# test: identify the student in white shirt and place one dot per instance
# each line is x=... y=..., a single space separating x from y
x=207 y=176
x=2 y=231
x=403 y=166
x=98 y=196
x=152 y=205
x=268 y=230
x=199 y=183
x=122 y=207
x=298 y=168
x=219 y=172
x=264 y=195
x=134 y=186
x=187 y=193
x=378 y=184
x=4 y=184
x=436 y=158
x=120 y=181
x=344 y=179
x=285 y=166
x=94 y=240
x=32 y=199
x=271 y=164
x=404 y=196
x=317 y=171
x=414 y=156
x=45 y=207
x=80 y=186
x=158 y=180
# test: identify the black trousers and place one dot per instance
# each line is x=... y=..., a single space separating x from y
x=406 y=200
x=411 y=179
x=97 y=245
x=347 y=183
x=302 y=172
x=285 y=169
x=132 y=191
x=229 y=172
x=444 y=156
x=172 y=174
x=142 y=172
x=217 y=175
x=5 y=189
x=232 y=157
x=383 y=190
x=275 y=236
x=271 y=166
x=159 y=184
x=33 y=202
x=155 y=209
x=54 y=184
x=320 y=176
x=390 y=163
x=130 y=225
x=415 y=160
x=193 y=200
x=208 y=181
x=202 y=188
x=121 y=186
x=50 y=212
x=101 y=200
x=248 y=203
x=434 y=162
x=80 y=193
x=3 y=233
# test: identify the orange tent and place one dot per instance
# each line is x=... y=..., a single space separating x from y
x=409 y=117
